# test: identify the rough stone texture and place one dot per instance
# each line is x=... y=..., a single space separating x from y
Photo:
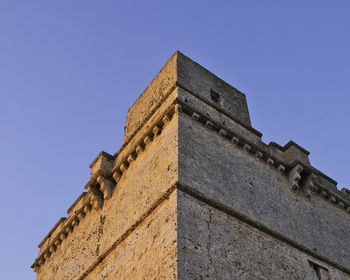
x=194 y=193
x=133 y=198
x=215 y=245
x=182 y=71
x=211 y=165
x=150 y=252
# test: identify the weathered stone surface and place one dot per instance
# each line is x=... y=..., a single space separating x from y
x=182 y=71
x=149 y=252
x=135 y=194
x=194 y=193
x=222 y=172
x=215 y=245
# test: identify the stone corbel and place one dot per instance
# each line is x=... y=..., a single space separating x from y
x=235 y=140
x=195 y=116
x=295 y=176
x=209 y=124
x=247 y=148
x=87 y=208
x=270 y=161
x=106 y=186
x=156 y=130
x=95 y=199
x=52 y=249
x=166 y=119
x=310 y=185
x=178 y=108
x=281 y=168
x=58 y=242
x=116 y=175
x=81 y=215
x=139 y=149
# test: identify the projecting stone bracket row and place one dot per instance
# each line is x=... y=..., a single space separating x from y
x=105 y=174
x=290 y=160
x=106 y=170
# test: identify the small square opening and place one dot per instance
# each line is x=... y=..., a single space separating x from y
x=214 y=96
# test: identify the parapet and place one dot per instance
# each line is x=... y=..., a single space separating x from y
x=181 y=71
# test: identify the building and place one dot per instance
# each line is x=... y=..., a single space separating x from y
x=194 y=193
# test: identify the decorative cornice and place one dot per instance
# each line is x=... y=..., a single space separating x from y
x=68 y=226
x=60 y=221
x=302 y=178
x=101 y=186
x=219 y=109
x=121 y=166
x=82 y=195
x=166 y=95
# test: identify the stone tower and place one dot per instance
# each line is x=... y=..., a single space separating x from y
x=194 y=193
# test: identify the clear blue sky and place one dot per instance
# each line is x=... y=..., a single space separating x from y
x=69 y=71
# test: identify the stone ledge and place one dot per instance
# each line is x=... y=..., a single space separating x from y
x=131 y=229
x=60 y=221
x=67 y=227
x=81 y=196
